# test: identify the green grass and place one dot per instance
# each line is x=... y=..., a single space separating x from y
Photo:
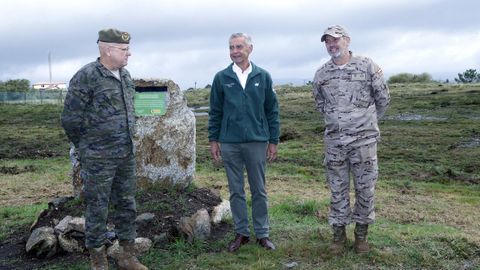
x=16 y=218
x=428 y=193
x=33 y=130
x=29 y=181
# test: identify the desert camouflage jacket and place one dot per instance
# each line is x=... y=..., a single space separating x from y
x=352 y=99
x=98 y=115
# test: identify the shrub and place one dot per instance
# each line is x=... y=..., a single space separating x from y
x=469 y=76
x=410 y=78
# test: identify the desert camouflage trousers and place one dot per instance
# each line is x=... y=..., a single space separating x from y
x=109 y=180
x=361 y=163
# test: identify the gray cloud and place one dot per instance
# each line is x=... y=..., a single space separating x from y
x=186 y=40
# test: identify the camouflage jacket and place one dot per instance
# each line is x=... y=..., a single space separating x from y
x=98 y=115
x=351 y=98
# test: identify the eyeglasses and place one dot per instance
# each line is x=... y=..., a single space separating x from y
x=127 y=49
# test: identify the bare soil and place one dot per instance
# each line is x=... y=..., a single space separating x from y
x=167 y=205
x=16 y=169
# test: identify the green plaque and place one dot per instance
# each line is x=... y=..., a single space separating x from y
x=150 y=103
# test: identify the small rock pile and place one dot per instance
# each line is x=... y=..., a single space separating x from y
x=68 y=233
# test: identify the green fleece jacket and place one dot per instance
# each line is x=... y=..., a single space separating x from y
x=240 y=116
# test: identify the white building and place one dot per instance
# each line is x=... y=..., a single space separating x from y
x=50 y=86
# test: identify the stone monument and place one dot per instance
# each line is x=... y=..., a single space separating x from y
x=164 y=136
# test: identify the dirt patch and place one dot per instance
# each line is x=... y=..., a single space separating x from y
x=437 y=91
x=446 y=175
x=17 y=170
x=25 y=152
x=289 y=134
x=167 y=205
x=471 y=143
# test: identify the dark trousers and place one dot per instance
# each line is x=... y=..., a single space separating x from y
x=252 y=157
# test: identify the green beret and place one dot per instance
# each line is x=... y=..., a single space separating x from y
x=113 y=36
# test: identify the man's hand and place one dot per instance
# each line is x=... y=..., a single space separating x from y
x=271 y=152
x=215 y=151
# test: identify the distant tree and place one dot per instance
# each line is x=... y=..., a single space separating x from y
x=18 y=85
x=410 y=78
x=469 y=76
x=208 y=86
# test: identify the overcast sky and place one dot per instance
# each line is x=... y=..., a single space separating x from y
x=187 y=40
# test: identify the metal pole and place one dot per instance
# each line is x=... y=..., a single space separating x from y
x=50 y=67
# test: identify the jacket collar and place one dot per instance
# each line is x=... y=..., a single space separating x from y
x=105 y=72
x=229 y=71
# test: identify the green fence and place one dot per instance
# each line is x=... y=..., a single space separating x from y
x=33 y=97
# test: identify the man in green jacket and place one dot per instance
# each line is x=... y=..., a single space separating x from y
x=243 y=130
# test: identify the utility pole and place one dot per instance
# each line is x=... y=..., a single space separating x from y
x=50 y=67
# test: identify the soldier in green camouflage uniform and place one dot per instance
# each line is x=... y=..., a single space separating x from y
x=98 y=118
x=351 y=93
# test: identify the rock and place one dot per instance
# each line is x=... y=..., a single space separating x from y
x=42 y=242
x=197 y=226
x=77 y=224
x=290 y=265
x=186 y=227
x=58 y=202
x=62 y=226
x=160 y=240
x=71 y=234
x=70 y=243
x=145 y=218
x=221 y=212
x=165 y=145
x=42 y=214
x=142 y=245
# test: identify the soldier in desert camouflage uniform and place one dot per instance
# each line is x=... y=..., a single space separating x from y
x=351 y=93
x=98 y=118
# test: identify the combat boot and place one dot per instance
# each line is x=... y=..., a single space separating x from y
x=339 y=239
x=126 y=258
x=98 y=258
x=361 y=244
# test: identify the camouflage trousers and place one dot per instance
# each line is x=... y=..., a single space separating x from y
x=361 y=163
x=109 y=180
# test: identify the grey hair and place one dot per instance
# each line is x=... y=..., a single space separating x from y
x=248 y=39
x=102 y=47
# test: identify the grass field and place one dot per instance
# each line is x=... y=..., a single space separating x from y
x=428 y=194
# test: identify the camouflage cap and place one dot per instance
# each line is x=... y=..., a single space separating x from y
x=335 y=31
x=113 y=36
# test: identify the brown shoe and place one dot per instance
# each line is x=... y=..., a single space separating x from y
x=98 y=258
x=126 y=259
x=266 y=243
x=239 y=241
x=361 y=244
x=337 y=247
